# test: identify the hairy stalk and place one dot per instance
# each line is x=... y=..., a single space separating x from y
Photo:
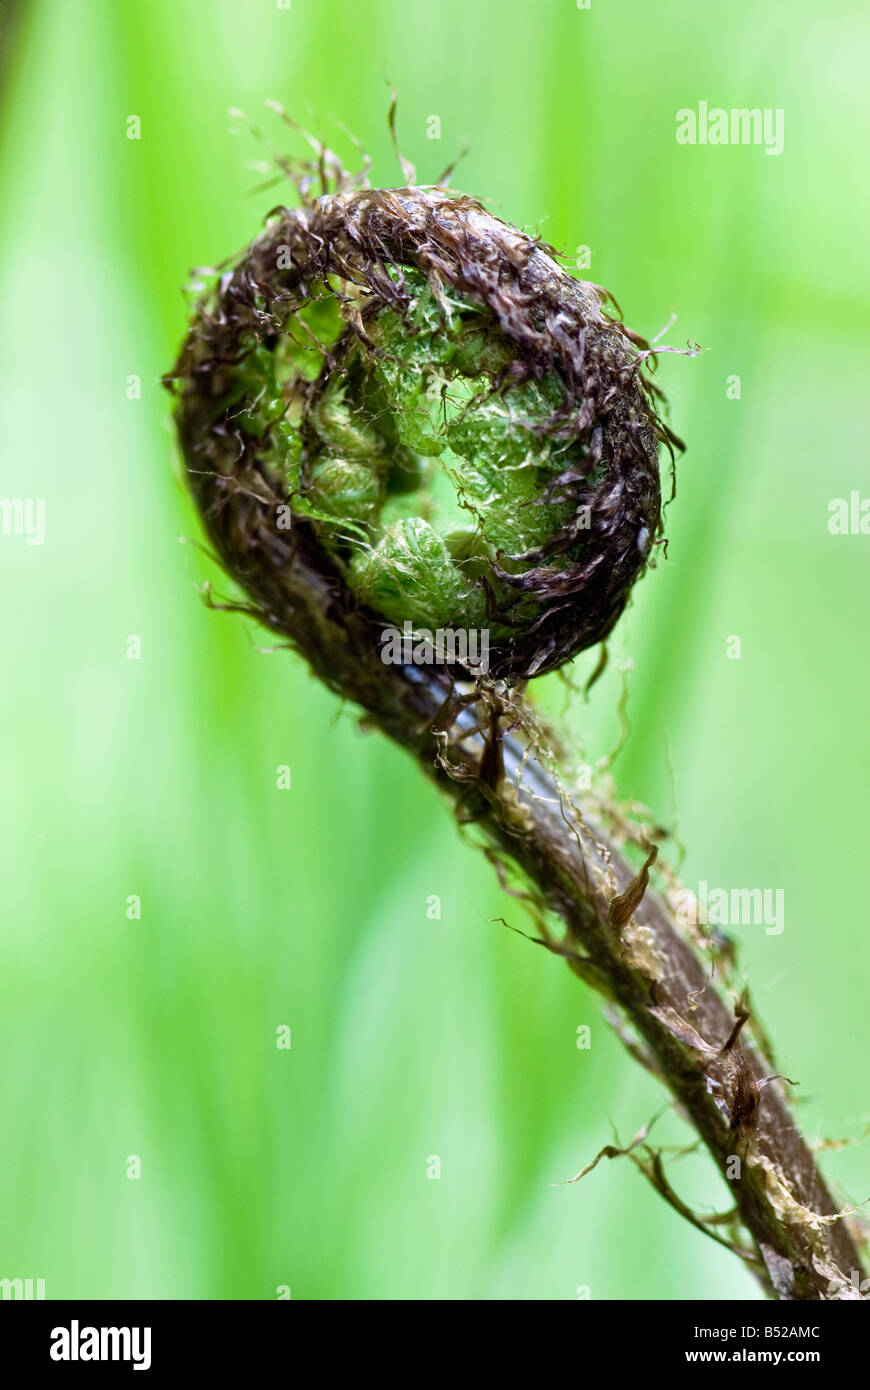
x=577 y=868
x=432 y=289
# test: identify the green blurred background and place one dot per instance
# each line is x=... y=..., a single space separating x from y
x=307 y=907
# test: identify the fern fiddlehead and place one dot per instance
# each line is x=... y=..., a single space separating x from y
x=397 y=409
